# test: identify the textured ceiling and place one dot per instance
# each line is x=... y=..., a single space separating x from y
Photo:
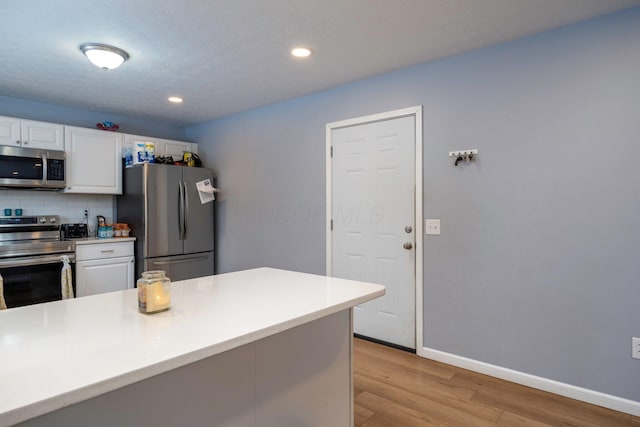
x=227 y=56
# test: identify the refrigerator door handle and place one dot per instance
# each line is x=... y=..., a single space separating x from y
x=186 y=211
x=180 y=211
x=180 y=261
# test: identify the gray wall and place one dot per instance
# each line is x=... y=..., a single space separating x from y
x=24 y=109
x=537 y=265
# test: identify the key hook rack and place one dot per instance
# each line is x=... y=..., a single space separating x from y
x=463 y=156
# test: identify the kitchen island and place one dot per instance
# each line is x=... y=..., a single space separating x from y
x=260 y=347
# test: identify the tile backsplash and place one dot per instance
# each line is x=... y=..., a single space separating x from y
x=70 y=207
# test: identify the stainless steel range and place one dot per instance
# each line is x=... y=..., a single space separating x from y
x=31 y=250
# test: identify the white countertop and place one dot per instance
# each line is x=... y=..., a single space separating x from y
x=95 y=240
x=59 y=353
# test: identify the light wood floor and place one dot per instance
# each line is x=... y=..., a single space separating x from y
x=396 y=388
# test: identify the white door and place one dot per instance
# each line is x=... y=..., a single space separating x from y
x=373 y=213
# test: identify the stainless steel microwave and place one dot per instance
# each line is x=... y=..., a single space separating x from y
x=31 y=168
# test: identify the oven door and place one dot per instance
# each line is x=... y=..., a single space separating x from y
x=32 y=280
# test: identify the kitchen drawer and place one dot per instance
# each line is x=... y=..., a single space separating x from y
x=104 y=250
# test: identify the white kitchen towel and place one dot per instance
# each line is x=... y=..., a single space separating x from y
x=3 y=304
x=66 y=279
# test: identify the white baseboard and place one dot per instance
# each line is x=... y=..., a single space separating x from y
x=590 y=396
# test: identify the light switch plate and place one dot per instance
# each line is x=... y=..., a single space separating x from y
x=432 y=226
x=635 y=348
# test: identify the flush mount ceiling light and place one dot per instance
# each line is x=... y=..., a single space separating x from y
x=301 y=52
x=104 y=56
x=175 y=99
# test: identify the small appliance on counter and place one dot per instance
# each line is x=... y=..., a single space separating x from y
x=74 y=231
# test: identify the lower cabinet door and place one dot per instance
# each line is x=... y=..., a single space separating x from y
x=104 y=275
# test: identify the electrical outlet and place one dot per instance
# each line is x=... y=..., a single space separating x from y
x=432 y=226
x=635 y=348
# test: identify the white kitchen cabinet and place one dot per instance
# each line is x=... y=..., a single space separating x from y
x=173 y=148
x=31 y=134
x=163 y=147
x=94 y=164
x=104 y=267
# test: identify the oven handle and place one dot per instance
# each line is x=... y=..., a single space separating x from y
x=36 y=260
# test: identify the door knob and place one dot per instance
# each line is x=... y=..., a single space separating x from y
x=408 y=229
x=407 y=245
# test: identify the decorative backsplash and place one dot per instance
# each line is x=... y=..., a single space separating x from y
x=70 y=207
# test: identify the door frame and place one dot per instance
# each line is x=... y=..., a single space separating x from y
x=416 y=112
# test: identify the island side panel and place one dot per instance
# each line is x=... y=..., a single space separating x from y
x=301 y=376
x=217 y=391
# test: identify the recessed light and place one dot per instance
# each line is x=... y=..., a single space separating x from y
x=301 y=52
x=175 y=99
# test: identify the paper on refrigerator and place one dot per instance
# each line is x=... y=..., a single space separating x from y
x=206 y=191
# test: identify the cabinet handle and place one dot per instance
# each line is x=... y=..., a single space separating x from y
x=25 y=142
x=18 y=141
x=107 y=250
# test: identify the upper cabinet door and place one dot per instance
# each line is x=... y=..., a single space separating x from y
x=9 y=131
x=31 y=134
x=94 y=163
x=48 y=136
x=176 y=148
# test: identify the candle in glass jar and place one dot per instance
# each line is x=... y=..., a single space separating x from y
x=157 y=298
x=154 y=292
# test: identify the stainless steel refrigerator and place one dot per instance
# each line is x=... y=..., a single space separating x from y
x=173 y=229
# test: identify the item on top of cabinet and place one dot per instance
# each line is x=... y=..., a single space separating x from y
x=165 y=160
x=101 y=221
x=105 y=231
x=139 y=152
x=128 y=155
x=106 y=125
x=7 y=212
x=187 y=158
x=139 y=155
x=18 y=212
x=191 y=159
x=121 y=230
x=149 y=152
x=154 y=292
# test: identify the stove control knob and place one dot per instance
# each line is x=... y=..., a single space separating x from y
x=52 y=220
x=42 y=220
